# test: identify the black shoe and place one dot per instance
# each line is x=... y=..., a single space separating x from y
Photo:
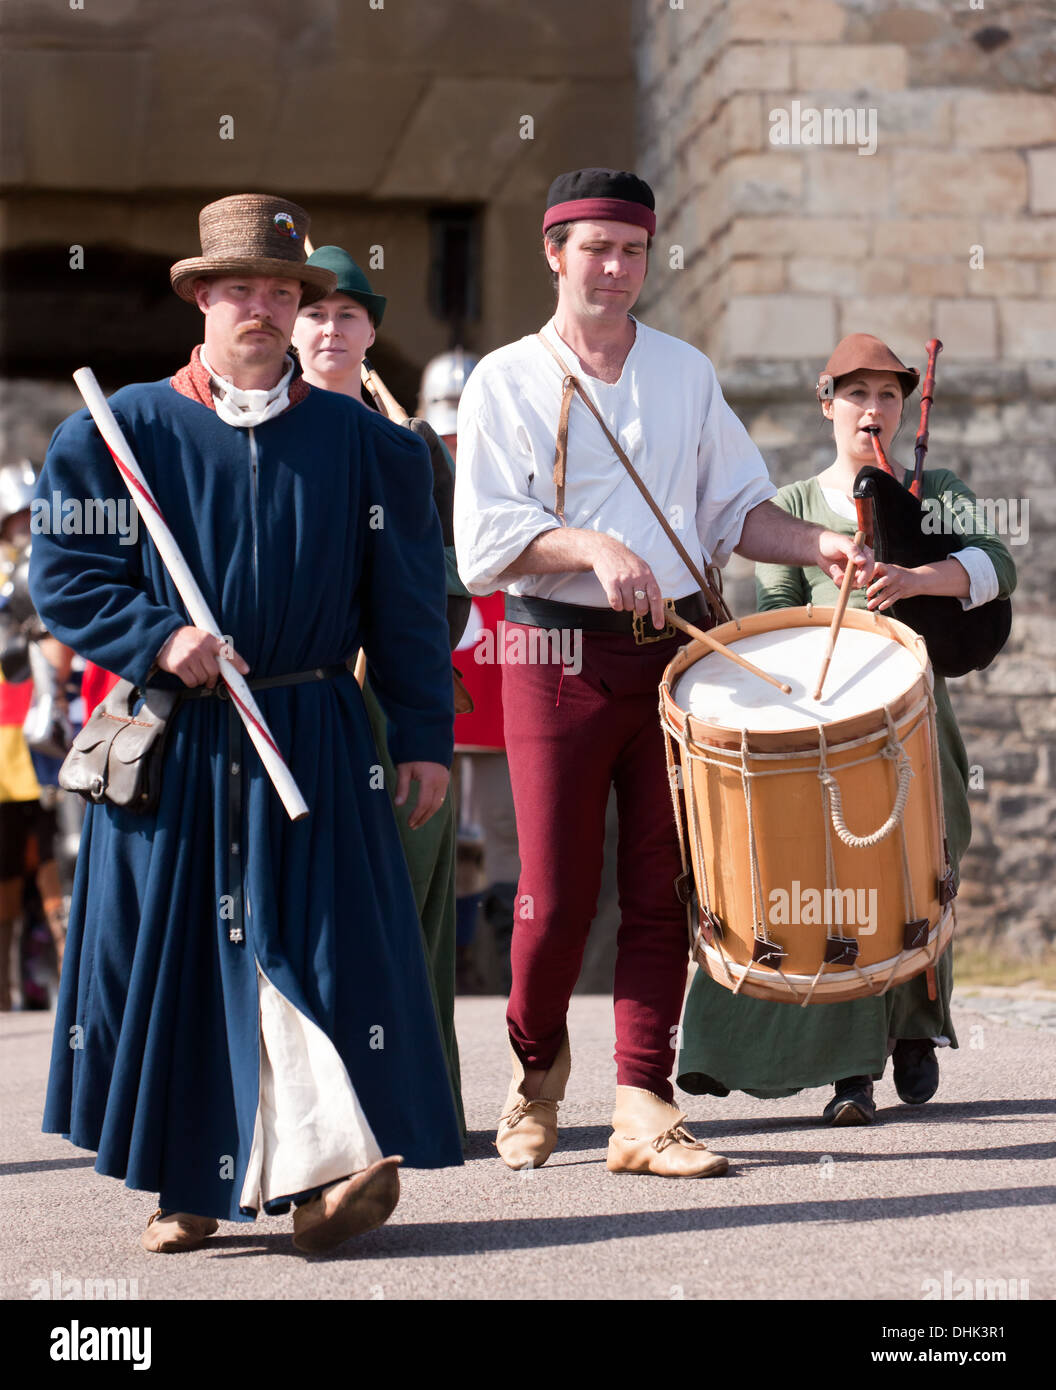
x=699 y=1083
x=916 y=1070
x=852 y=1104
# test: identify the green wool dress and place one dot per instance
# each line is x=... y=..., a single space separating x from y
x=773 y=1049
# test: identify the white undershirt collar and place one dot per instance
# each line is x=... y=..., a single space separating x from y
x=247 y=408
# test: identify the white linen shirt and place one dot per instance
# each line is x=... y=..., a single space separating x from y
x=668 y=413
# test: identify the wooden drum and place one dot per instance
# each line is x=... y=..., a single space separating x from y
x=814 y=829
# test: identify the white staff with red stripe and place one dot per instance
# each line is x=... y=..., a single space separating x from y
x=187 y=586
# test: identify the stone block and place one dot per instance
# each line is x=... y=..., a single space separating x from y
x=1041 y=165
x=463 y=141
x=755 y=275
x=765 y=67
x=1038 y=719
x=823 y=275
x=1000 y=762
x=780 y=325
x=948 y=280
x=882 y=277
x=798 y=236
x=1001 y=279
x=1021 y=675
x=1003 y=120
x=901 y=322
x=1026 y=813
x=847 y=67
x=978 y=711
x=961 y=183
x=1028 y=329
x=903 y=25
x=758 y=184
x=926 y=238
x=967 y=328
x=796 y=21
x=76 y=119
x=1024 y=238
x=1047 y=279
x=743 y=125
x=841 y=182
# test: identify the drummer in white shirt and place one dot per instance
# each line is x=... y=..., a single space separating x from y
x=586 y=569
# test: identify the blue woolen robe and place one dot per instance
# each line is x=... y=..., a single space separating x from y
x=326 y=540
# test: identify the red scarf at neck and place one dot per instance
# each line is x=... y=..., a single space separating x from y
x=196 y=383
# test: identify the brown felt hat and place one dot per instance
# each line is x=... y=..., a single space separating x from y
x=253 y=234
x=862 y=352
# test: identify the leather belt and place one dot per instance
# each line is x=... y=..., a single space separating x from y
x=548 y=612
x=236 y=929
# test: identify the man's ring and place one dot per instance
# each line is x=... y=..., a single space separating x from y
x=639 y=593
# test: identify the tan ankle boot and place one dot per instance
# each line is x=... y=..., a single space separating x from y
x=168 y=1232
x=528 y=1128
x=648 y=1137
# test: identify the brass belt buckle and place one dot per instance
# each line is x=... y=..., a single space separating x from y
x=638 y=626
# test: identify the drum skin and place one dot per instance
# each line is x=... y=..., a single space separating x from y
x=788 y=813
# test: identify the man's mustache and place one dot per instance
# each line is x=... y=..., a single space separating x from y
x=257 y=326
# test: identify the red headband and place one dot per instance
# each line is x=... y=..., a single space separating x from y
x=601 y=210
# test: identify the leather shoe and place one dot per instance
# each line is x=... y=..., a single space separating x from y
x=649 y=1137
x=170 y=1231
x=527 y=1133
x=349 y=1207
x=916 y=1070
x=852 y=1104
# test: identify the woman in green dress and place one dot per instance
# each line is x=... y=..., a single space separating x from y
x=768 y=1049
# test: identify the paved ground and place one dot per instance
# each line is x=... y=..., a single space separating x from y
x=961 y=1187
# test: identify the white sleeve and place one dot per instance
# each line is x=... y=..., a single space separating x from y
x=495 y=515
x=731 y=478
x=981 y=575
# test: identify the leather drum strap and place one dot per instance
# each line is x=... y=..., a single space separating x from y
x=570 y=387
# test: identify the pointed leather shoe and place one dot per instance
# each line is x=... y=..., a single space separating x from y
x=649 y=1137
x=170 y=1231
x=348 y=1208
x=527 y=1133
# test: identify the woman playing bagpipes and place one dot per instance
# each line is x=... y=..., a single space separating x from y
x=770 y=1049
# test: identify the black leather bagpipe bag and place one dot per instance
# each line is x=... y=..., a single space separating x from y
x=958 y=641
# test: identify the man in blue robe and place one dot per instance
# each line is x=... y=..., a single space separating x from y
x=245 y=1019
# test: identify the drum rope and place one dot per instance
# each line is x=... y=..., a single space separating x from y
x=753 y=852
x=892 y=750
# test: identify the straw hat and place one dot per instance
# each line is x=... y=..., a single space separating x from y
x=252 y=234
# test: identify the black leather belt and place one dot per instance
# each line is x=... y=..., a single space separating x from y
x=236 y=929
x=548 y=612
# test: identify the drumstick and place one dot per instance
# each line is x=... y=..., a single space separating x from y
x=723 y=650
x=837 y=617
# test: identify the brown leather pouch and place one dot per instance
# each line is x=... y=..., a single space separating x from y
x=463 y=699
x=117 y=755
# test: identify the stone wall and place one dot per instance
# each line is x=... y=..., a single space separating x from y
x=767 y=254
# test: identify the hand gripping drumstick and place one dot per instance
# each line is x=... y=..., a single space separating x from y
x=188 y=589
x=723 y=650
x=837 y=617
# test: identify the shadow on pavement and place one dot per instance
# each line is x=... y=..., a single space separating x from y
x=412 y=1240
x=43 y=1165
